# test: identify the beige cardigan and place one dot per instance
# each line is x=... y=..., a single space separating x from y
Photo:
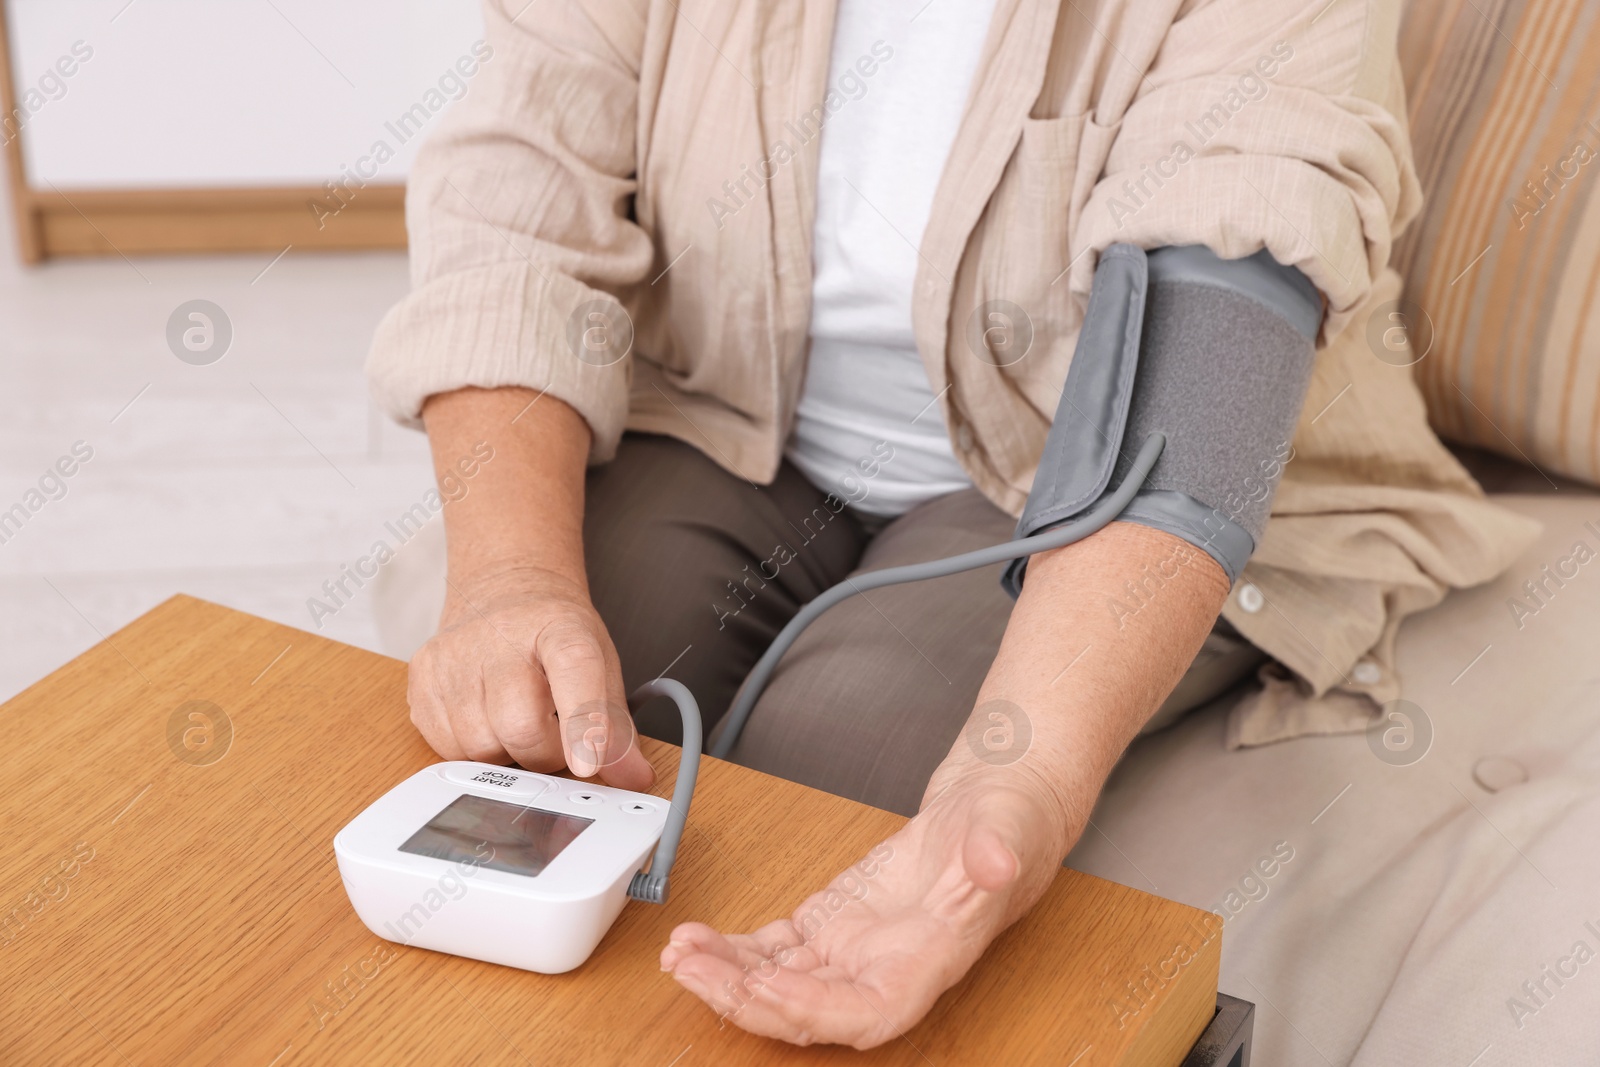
x=652 y=163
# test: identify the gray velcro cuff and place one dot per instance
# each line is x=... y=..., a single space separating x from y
x=1282 y=290
x=1082 y=448
x=1222 y=351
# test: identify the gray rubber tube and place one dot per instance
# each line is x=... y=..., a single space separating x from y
x=651 y=886
x=1096 y=518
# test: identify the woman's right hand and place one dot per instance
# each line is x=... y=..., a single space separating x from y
x=522 y=668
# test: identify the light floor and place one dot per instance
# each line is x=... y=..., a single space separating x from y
x=247 y=482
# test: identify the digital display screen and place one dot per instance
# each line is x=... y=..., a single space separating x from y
x=494 y=834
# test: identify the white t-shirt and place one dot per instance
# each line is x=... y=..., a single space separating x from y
x=868 y=424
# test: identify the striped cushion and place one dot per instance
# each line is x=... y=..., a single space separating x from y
x=1502 y=270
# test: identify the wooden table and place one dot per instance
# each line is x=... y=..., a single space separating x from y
x=170 y=894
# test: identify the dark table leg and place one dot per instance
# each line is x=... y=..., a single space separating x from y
x=1226 y=1042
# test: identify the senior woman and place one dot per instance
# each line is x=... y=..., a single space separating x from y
x=749 y=296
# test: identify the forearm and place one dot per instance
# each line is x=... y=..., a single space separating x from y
x=1084 y=674
x=1224 y=353
x=525 y=509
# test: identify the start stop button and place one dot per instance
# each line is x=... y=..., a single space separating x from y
x=511 y=782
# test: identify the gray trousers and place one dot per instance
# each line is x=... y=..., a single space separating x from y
x=695 y=570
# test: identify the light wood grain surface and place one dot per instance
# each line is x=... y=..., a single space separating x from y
x=168 y=902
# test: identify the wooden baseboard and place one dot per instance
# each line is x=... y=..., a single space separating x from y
x=57 y=222
x=146 y=221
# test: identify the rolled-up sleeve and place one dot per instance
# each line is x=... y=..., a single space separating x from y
x=1268 y=124
x=1281 y=125
x=517 y=212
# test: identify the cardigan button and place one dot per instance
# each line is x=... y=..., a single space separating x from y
x=1250 y=598
x=1495 y=773
x=1367 y=672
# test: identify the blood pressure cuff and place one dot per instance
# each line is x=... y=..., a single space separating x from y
x=1214 y=353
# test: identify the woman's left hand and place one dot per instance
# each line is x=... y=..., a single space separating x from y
x=861 y=962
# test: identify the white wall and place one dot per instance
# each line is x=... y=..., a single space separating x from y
x=179 y=93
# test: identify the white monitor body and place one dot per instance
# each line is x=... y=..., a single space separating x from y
x=497 y=863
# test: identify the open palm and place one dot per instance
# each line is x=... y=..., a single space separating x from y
x=862 y=961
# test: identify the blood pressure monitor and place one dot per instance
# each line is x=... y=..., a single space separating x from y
x=511 y=866
x=498 y=864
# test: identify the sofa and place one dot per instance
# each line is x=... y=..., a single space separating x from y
x=1440 y=905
